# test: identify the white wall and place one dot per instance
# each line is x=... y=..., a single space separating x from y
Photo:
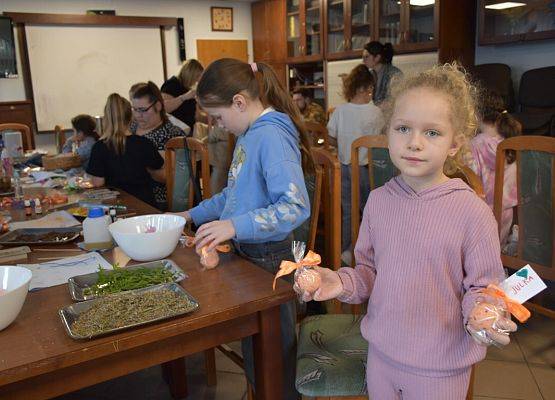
x=195 y=14
x=519 y=56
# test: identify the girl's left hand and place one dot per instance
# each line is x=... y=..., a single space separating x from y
x=213 y=233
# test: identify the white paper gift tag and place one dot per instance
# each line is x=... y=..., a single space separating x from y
x=523 y=284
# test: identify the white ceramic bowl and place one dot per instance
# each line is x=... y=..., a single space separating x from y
x=14 y=285
x=148 y=237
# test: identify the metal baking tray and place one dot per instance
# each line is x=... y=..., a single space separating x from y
x=78 y=284
x=70 y=313
x=65 y=235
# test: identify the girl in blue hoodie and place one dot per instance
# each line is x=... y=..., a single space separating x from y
x=265 y=198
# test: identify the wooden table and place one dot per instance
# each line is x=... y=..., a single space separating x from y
x=38 y=360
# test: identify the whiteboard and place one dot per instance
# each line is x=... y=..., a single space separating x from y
x=408 y=63
x=74 y=69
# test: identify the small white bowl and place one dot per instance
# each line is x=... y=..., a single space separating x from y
x=14 y=285
x=148 y=237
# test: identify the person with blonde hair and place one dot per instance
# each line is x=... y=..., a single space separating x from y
x=427 y=247
x=121 y=159
x=179 y=92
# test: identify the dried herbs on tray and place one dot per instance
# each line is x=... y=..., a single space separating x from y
x=123 y=279
x=126 y=309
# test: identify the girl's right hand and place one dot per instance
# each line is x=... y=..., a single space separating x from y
x=330 y=286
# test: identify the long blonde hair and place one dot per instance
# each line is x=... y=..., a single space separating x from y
x=226 y=77
x=452 y=81
x=190 y=72
x=116 y=121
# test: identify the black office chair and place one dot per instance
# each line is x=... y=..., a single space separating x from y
x=496 y=78
x=537 y=102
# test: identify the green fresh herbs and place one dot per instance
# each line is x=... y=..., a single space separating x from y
x=126 y=309
x=123 y=279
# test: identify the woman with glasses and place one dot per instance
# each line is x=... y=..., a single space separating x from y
x=378 y=58
x=150 y=120
x=179 y=92
x=123 y=160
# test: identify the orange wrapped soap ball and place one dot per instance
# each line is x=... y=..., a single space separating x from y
x=309 y=280
x=483 y=316
x=209 y=259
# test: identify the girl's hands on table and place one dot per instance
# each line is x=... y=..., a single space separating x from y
x=213 y=233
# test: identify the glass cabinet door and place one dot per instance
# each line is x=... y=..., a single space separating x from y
x=312 y=27
x=361 y=23
x=421 y=22
x=519 y=20
x=293 y=28
x=389 y=21
x=336 y=26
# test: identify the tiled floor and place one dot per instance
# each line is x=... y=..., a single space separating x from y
x=525 y=370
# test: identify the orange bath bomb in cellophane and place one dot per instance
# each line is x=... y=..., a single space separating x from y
x=483 y=316
x=209 y=259
x=308 y=280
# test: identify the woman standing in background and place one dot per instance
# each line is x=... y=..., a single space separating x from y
x=179 y=92
x=378 y=57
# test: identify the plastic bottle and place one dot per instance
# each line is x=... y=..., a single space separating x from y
x=38 y=206
x=18 y=190
x=95 y=229
x=28 y=209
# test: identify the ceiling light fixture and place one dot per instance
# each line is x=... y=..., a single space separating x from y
x=504 y=5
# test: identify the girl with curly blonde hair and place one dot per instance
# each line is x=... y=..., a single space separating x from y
x=427 y=245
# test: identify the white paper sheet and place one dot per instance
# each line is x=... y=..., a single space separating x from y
x=57 y=219
x=57 y=272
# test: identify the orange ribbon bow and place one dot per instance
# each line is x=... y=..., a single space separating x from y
x=518 y=310
x=286 y=267
x=222 y=248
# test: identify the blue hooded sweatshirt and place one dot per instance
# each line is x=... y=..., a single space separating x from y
x=265 y=197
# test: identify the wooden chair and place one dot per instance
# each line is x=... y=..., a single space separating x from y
x=378 y=177
x=60 y=138
x=318 y=133
x=313 y=224
x=178 y=167
x=26 y=134
x=231 y=141
x=331 y=201
x=199 y=151
x=329 y=113
x=535 y=165
x=378 y=151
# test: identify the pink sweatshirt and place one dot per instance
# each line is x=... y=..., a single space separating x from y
x=420 y=258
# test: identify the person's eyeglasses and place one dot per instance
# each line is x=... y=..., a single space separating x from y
x=142 y=110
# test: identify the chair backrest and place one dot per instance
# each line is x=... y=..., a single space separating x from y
x=318 y=133
x=471 y=179
x=231 y=140
x=537 y=89
x=497 y=78
x=535 y=166
x=178 y=167
x=60 y=138
x=199 y=151
x=331 y=200
x=26 y=134
x=380 y=170
x=329 y=113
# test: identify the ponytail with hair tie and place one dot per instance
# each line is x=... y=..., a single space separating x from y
x=226 y=77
